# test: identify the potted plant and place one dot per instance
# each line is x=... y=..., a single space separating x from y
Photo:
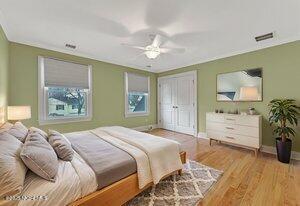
x=284 y=114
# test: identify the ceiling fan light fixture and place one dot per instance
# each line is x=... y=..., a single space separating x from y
x=152 y=54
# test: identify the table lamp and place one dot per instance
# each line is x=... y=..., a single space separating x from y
x=17 y=113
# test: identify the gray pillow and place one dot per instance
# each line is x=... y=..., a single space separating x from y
x=19 y=131
x=61 y=145
x=41 y=132
x=39 y=156
x=12 y=168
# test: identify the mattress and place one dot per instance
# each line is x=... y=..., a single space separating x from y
x=109 y=163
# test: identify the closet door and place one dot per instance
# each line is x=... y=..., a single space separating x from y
x=184 y=105
x=166 y=104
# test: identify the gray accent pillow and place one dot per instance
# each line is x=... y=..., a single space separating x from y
x=61 y=145
x=19 y=131
x=12 y=168
x=41 y=132
x=39 y=156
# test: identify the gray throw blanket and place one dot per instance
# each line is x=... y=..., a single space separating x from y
x=109 y=163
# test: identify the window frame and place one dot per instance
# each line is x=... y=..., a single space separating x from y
x=136 y=114
x=43 y=118
x=58 y=107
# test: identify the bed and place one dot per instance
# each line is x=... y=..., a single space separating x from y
x=106 y=168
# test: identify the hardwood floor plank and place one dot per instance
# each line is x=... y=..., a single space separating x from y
x=247 y=180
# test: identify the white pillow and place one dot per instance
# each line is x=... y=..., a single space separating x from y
x=5 y=127
x=12 y=168
x=19 y=131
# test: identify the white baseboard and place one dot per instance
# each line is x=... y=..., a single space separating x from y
x=145 y=128
x=272 y=150
x=202 y=135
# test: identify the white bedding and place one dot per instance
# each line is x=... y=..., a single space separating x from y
x=141 y=158
x=163 y=154
x=74 y=180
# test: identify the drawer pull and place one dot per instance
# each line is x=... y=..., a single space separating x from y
x=230 y=119
x=228 y=137
x=230 y=128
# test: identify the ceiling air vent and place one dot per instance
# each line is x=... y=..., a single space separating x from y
x=264 y=37
x=70 y=46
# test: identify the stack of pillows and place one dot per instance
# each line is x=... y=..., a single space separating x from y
x=34 y=149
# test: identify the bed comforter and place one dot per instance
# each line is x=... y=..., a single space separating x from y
x=78 y=178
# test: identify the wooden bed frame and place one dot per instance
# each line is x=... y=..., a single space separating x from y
x=118 y=193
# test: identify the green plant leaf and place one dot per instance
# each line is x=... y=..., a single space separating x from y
x=284 y=113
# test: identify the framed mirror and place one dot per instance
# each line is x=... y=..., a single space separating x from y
x=240 y=86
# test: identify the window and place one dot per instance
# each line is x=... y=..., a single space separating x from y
x=59 y=107
x=137 y=95
x=64 y=91
x=67 y=102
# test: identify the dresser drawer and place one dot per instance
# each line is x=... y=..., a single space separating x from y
x=248 y=120
x=230 y=119
x=215 y=126
x=241 y=130
x=234 y=138
x=233 y=129
x=212 y=117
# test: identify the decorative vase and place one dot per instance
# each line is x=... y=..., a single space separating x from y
x=283 y=150
x=251 y=111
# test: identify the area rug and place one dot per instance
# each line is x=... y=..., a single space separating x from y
x=187 y=189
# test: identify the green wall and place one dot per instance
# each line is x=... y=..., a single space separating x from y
x=281 y=79
x=4 y=65
x=108 y=89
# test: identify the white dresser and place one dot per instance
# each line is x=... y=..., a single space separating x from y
x=243 y=130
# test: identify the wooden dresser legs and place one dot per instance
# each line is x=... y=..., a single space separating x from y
x=256 y=150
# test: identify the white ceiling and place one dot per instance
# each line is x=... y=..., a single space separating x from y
x=207 y=29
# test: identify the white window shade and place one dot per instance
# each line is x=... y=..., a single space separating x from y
x=137 y=83
x=59 y=73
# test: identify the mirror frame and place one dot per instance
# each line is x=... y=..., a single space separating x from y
x=262 y=88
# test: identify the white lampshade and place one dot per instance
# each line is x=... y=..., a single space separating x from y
x=248 y=93
x=18 y=112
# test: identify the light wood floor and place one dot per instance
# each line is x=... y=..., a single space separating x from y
x=246 y=180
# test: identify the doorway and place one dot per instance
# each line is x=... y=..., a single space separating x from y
x=177 y=102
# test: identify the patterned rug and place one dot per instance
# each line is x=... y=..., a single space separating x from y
x=187 y=189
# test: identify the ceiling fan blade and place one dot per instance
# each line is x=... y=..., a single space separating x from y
x=172 y=50
x=137 y=56
x=134 y=46
x=157 y=41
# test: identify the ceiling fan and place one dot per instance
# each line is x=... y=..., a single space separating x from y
x=153 y=50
